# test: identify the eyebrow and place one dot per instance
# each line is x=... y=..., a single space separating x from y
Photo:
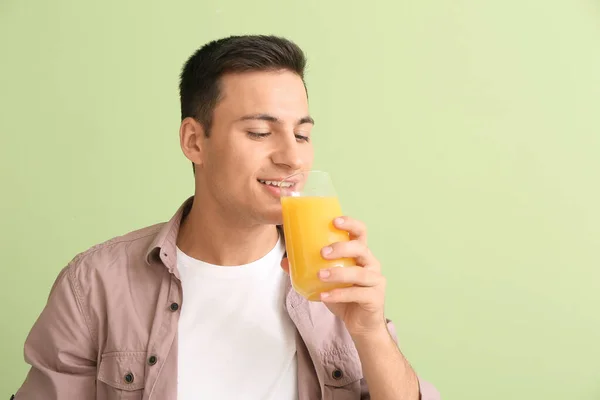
x=270 y=118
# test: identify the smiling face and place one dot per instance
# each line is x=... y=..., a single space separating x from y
x=260 y=134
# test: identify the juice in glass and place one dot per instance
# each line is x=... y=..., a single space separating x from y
x=308 y=227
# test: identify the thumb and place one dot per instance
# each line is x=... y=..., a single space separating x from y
x=285 y=265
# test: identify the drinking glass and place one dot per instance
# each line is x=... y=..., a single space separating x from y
x=309 y=205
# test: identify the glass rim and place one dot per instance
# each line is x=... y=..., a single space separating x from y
x=308 y=171
x=312 y=182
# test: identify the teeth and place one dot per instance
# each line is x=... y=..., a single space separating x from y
x=277 y=184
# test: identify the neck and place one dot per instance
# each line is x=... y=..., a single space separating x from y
x=216 y=237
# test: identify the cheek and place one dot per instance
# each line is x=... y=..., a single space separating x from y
x=308 y=155
x=240 y=167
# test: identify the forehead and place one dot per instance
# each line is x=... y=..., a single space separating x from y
x=281 y=93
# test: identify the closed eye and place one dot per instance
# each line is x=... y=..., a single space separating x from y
x=302 y=138
x=258 y=135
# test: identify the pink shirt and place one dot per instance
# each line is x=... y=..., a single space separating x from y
x=109 y=329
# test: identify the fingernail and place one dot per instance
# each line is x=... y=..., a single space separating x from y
x=339 y=221
x=327 y=250
x=324 y=273
x=324 y=295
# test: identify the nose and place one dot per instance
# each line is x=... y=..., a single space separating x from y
x=289 y=154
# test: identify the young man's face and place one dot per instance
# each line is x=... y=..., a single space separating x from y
x=260 y=132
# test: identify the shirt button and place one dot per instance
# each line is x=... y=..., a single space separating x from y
x=152 y=360
x=128 y=377
x=174 y=307
x=337 y=374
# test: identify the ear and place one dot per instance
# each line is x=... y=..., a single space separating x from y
x=191 y=139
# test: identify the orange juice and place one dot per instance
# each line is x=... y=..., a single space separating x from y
x=308 y=227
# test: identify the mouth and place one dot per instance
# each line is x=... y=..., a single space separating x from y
x=277 y=188
x=277 y=184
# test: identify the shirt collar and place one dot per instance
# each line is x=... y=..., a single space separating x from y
x=164 y=245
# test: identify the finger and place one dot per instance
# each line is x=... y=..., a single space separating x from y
x=366 y=296
x=285 y=265
x=352 y=249
x=356 y=228
x=354 y=275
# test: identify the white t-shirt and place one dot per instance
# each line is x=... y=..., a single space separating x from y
x=235 y=337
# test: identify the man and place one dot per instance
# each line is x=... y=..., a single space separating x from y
x=199 y=308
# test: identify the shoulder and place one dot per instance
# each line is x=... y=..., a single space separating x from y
x=112 y=255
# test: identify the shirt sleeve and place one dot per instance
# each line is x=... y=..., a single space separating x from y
x=60 y=347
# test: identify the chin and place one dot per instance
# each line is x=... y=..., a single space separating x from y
x=275 y=219
x=272 y=217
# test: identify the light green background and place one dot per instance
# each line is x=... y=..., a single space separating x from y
x=465 y=133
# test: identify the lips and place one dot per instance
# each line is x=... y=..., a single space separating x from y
x=278 y=184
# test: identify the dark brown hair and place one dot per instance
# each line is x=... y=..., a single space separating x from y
x=199 y=87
